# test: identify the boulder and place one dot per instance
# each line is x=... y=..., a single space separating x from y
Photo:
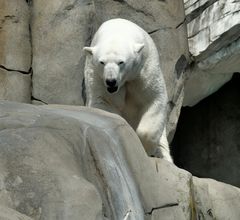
x=62 y=162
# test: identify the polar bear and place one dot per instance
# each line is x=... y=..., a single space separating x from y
x=123 y=75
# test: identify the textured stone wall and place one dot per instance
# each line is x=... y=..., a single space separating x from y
x=47 y=46
x=214 y=43
x=15 y=51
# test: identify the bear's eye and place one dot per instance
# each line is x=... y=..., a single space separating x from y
x=102 y=62
x=120 y=63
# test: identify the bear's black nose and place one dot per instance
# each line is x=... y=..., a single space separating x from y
x=111 y=82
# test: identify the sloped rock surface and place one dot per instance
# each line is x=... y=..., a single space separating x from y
x=62 y=162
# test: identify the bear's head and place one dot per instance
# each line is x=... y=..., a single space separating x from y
x=116 y=61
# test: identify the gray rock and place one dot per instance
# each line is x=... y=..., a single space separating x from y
x=215 y=26
x=59 y=32
x=15 y=47
x=215 y=200
x=15 y=86
x=41 y=176
x=10 y=214
x=62 y=162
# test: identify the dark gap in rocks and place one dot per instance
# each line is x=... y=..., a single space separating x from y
x=161 y=207
x=121 y=1
x=181 y=23
x=39 y=100
x=159 y=29
x=13 y=70
x=84 y=95
x=207 y=138
x=181 y=65
x=29 y=2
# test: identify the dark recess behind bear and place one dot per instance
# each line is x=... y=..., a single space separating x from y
x=207 y=140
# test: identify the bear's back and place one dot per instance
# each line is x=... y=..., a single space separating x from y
x=122 y=28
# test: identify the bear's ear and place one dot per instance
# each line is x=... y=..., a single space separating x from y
x=138 y=47
x=89 y=50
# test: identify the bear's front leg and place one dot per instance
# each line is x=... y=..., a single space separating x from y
x=152 y=133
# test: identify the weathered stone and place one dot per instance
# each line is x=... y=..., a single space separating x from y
x=215 y=26
x=10 y=214
x=66 y=155
x=60 y=29
x=215 y=200
x=208 y=75
x=213 y=35
x=62 y=162
x=15 y=47
x=41 y=176
x=201 y=84
x=15 y=86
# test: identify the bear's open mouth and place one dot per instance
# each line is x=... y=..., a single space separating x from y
x=112 y=89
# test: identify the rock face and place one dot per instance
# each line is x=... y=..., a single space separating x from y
x=62 y=162
x=60 y=29
x=207 y=138
x=213 y=36
x=15 y=48
x=15 y=51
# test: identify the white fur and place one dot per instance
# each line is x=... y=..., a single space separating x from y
x=124 y=52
